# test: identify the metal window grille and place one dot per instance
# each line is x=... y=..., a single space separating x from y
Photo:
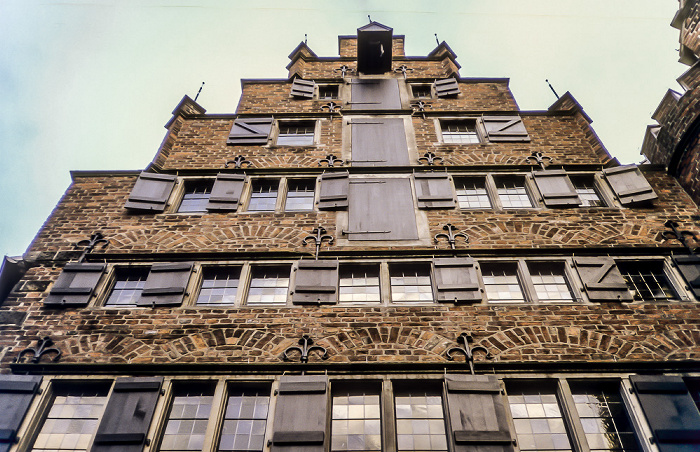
x=647 y=280
x=420 y=422
x=219 y=286
x=512 y=193
x=196 y=196
x=268 y=286
x=550 y=282
x=187 y=423
x=459 y=132
x=244 y=421
x=300 y=195
x=296 y=133
x=410 y=284
x=359 y=284
x=263 y=196
x=356 y=422
x=501 y=283
x=128 y=285
x=472 y=194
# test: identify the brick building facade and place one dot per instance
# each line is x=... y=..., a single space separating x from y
x=373 y=254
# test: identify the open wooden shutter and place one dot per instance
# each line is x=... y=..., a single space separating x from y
x=303 y=88
x=75 y=285
x=689 y=267
x=556 y=188
x=477 y=414
x=250 y=131
x=456 y=280
x=446 y=87
x=629 y=184
x=375 y=94
x=381 y=209
x=128 y=415
x=226 y=192
x=300 y=414
x=316 y=282
x=379 y=142
x=434 y=191
x=670 y=410
x=505 y=128
x=333 y=192
x=166 y=284
x=16 y=394
x=602 y=279
x=151 y=192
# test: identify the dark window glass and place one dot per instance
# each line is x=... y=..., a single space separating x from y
x=459 y=131
x=128 y=285
x=196 y=196
x=647 y=280
x=356 y=421
x=300 y=195
x=263 y=196
x=471 y=193
x=245 y=420
x=501 y=283
x=420 y=421
x=359 y=284
x=328 y=92
x=421 y=91
x=550 y=282
x=189 y=415
x=296 y=133
x=410 y=283
x=219 y=286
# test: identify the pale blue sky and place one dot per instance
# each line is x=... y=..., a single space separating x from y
x=89 y=84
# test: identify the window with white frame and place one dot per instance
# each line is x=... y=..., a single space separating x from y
x=459 y=131
x=296 y=133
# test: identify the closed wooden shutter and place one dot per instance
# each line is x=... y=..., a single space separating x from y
x=151 y=192
x=670 y=410
x=166 y=284
x=75 y=285
x=629 y=184
x=226 y=192
x=379 y=142
x=16 y=394
x=556 y=188
x=303 y=88
x=253 y=131
x=446 y=87
x=456 y=280
x=434 y=191
x=316 y=282
x=128 y=415
x=602 y=279
x=505 y=128
x=375 y=94
x=689 y=267
x=477 y=414
x=300 y=414
x=381 y=209
x=333 y=191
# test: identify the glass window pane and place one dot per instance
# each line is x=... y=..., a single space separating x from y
x=355 y=423
x=501 y=283
x=459 y=131
x=268 y=285
x=410 y=284
x=245 y=419
x=188 y=418
x=550 y=282
x=296 y=133
x=300 y=195
x=420 y=421
x=471 y=193
x=512 y=193
x=196 y=196
x=263 y=196
x=128 y=285
x=538 y=422
x=359 y=284
x=219 y=286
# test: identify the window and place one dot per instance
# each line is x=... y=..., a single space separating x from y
x=462 y=131
x=550 y=282
x=187 y=422
x=410 y=283
x=471 y=193
x=128 y=285
x=268 y=285
x=359 y=284
x=647 y=280
x=219 y=286
x=538 y=421
x=587 y=192
x=423 y=91
x=420 y=422
x=73 y=418
x=196 y=196
x=512 y=192
x=263 y=195
x=245 y=420
x=299 y=133
x=501 y=283
x=300 y=195
x=328 y=92
x=356 y=422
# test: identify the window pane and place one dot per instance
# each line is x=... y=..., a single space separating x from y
x=128 y=285
x=219 y=286
x=461 y=132
x=359 y=284
x=296 y=133
x=263 y=196
x=72 y=420
x=539 y=425
x=328 y=91
x=245 y=420
x=585 y=187
x=550 y=282
x=356 y=423
x=269 y=286
x=196 y=196
x=420 y=424
x=187 y=423
x=501 y=283
x=648 y=280
x=421 y=91
x=471 y=193
x=300 y=195
x=410 y=283
x=512 y=193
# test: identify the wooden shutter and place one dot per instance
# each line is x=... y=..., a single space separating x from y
x=375 y=94
x=250 y=131
x=689 y=267
x=456 y=280
x=166 y=284
x=303 y=88
x=75 y=285
x=128 y=415
x=381 y=209
x=446 y=87
x=333 y=192
x=629 y=184
x=477 y=414
x=602 y=279
x=226 y=192
x=300 y=414
x=316 y=282
x=151 y=192
x=434 y=191
x=379 y=142
x=556 y=188
x=16 y=394
x=670 y=410
x=505 y=128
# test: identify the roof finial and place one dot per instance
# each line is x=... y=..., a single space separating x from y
x=436 y=39
x=552 y=88
x=306 y=39
x=200 y=90
x=370 y=19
